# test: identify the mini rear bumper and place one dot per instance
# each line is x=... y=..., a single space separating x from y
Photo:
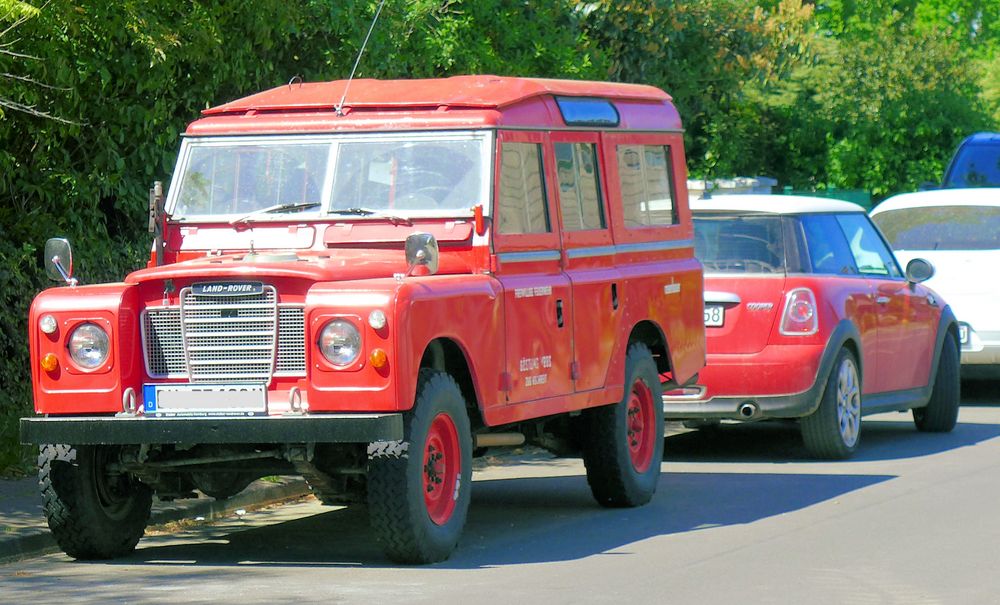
x=781 y=381
x=122 y=430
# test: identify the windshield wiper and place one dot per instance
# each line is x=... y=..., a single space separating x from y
x=276 y=208
x=392 y=218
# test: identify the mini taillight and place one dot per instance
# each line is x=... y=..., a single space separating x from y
x=799 y=316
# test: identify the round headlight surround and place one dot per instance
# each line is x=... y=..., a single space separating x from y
x=89 y=346
x=340 y=342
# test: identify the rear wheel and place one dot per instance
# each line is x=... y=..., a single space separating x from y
x=623 y=443
x=418 y=489
x=93 y=510
x=941 y=412
x=834 y=429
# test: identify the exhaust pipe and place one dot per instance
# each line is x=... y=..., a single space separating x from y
x=748 y=410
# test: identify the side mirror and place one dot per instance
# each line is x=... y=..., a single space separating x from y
x=421 y=251
x=919 y=270
x=59 y=260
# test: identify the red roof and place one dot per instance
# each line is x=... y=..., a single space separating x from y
x=460 y=102
x=458 y=91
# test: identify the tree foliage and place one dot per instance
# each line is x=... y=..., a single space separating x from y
x=94 y=96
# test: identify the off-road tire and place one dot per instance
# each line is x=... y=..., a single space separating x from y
x=622 y=443
x=941 y=413
x=413 y=523
x=833 y=431
x=92 y=514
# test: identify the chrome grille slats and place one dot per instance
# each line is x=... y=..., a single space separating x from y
x=291 y=341
x=225 y=338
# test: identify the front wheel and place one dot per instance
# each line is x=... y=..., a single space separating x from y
x=623 y=443
x=834 y=429
x=941 y=413
x=418 y=489
x=94 y=510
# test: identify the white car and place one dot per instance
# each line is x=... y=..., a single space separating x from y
x=958 y=230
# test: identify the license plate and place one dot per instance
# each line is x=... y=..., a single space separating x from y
x=204 y=399
x=963 y=334
x=715 y=315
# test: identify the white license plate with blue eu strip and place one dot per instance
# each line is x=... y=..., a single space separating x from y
x=204 y=399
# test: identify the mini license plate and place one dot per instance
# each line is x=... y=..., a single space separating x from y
x=715 y=315
x=963 y=334
x=204 y=399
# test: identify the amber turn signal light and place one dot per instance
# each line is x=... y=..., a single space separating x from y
x=50 y=362
x=379 y=358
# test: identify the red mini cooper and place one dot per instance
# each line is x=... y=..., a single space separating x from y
x=809 y=316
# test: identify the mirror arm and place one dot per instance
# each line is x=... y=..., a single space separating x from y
x=57 y=262
x=156 y=218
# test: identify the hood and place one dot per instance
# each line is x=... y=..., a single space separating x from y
x=963 y=278
x=329 y=265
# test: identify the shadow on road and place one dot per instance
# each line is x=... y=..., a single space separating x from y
x=782 y=442
x=515 y=521
x=981 y=392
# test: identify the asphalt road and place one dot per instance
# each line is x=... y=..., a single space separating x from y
x=741 y=516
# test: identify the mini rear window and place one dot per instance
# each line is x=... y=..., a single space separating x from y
x=578 y=111
x=739 y=244
x=941 y=227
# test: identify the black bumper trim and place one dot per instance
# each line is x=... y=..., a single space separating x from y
x=318 y=428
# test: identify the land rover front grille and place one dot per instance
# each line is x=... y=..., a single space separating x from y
x=225 y=338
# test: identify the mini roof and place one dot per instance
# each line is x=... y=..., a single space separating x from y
x=483 y=92
x=773 y=204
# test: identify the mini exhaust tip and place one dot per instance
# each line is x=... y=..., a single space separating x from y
x=748 y=410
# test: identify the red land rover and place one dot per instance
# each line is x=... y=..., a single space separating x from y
x=367 y=294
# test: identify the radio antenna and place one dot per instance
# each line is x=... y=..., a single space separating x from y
x=340 y=106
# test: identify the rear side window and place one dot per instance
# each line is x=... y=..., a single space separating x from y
x=828 y=250
x=975 y=166
x=941 y=228
x=739 y=244
x=646 y=185
x=579 y=197
x=521 y=204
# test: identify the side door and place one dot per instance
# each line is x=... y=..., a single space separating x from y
x=538 y=314
x=588 y=255
x=906 y=317
x=844 y=288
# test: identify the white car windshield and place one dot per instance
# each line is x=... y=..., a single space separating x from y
x=243 y=179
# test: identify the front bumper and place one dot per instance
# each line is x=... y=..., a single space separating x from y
x=125 y=430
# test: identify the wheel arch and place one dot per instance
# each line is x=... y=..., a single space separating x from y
x=947 y=325
x=447 y=355
x=650 y=334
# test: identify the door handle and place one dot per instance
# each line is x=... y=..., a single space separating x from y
x=559 y=312
x=883 y=300
x=614 y=296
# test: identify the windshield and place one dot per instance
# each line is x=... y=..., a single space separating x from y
x=975 y=166
x=739 y=244
x=941 y=227
x=242 y=179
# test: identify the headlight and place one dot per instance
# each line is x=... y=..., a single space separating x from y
x=89 y=345
x=340 y=342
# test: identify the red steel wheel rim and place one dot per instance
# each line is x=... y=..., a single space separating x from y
x=442 y=469
x=641 y=434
